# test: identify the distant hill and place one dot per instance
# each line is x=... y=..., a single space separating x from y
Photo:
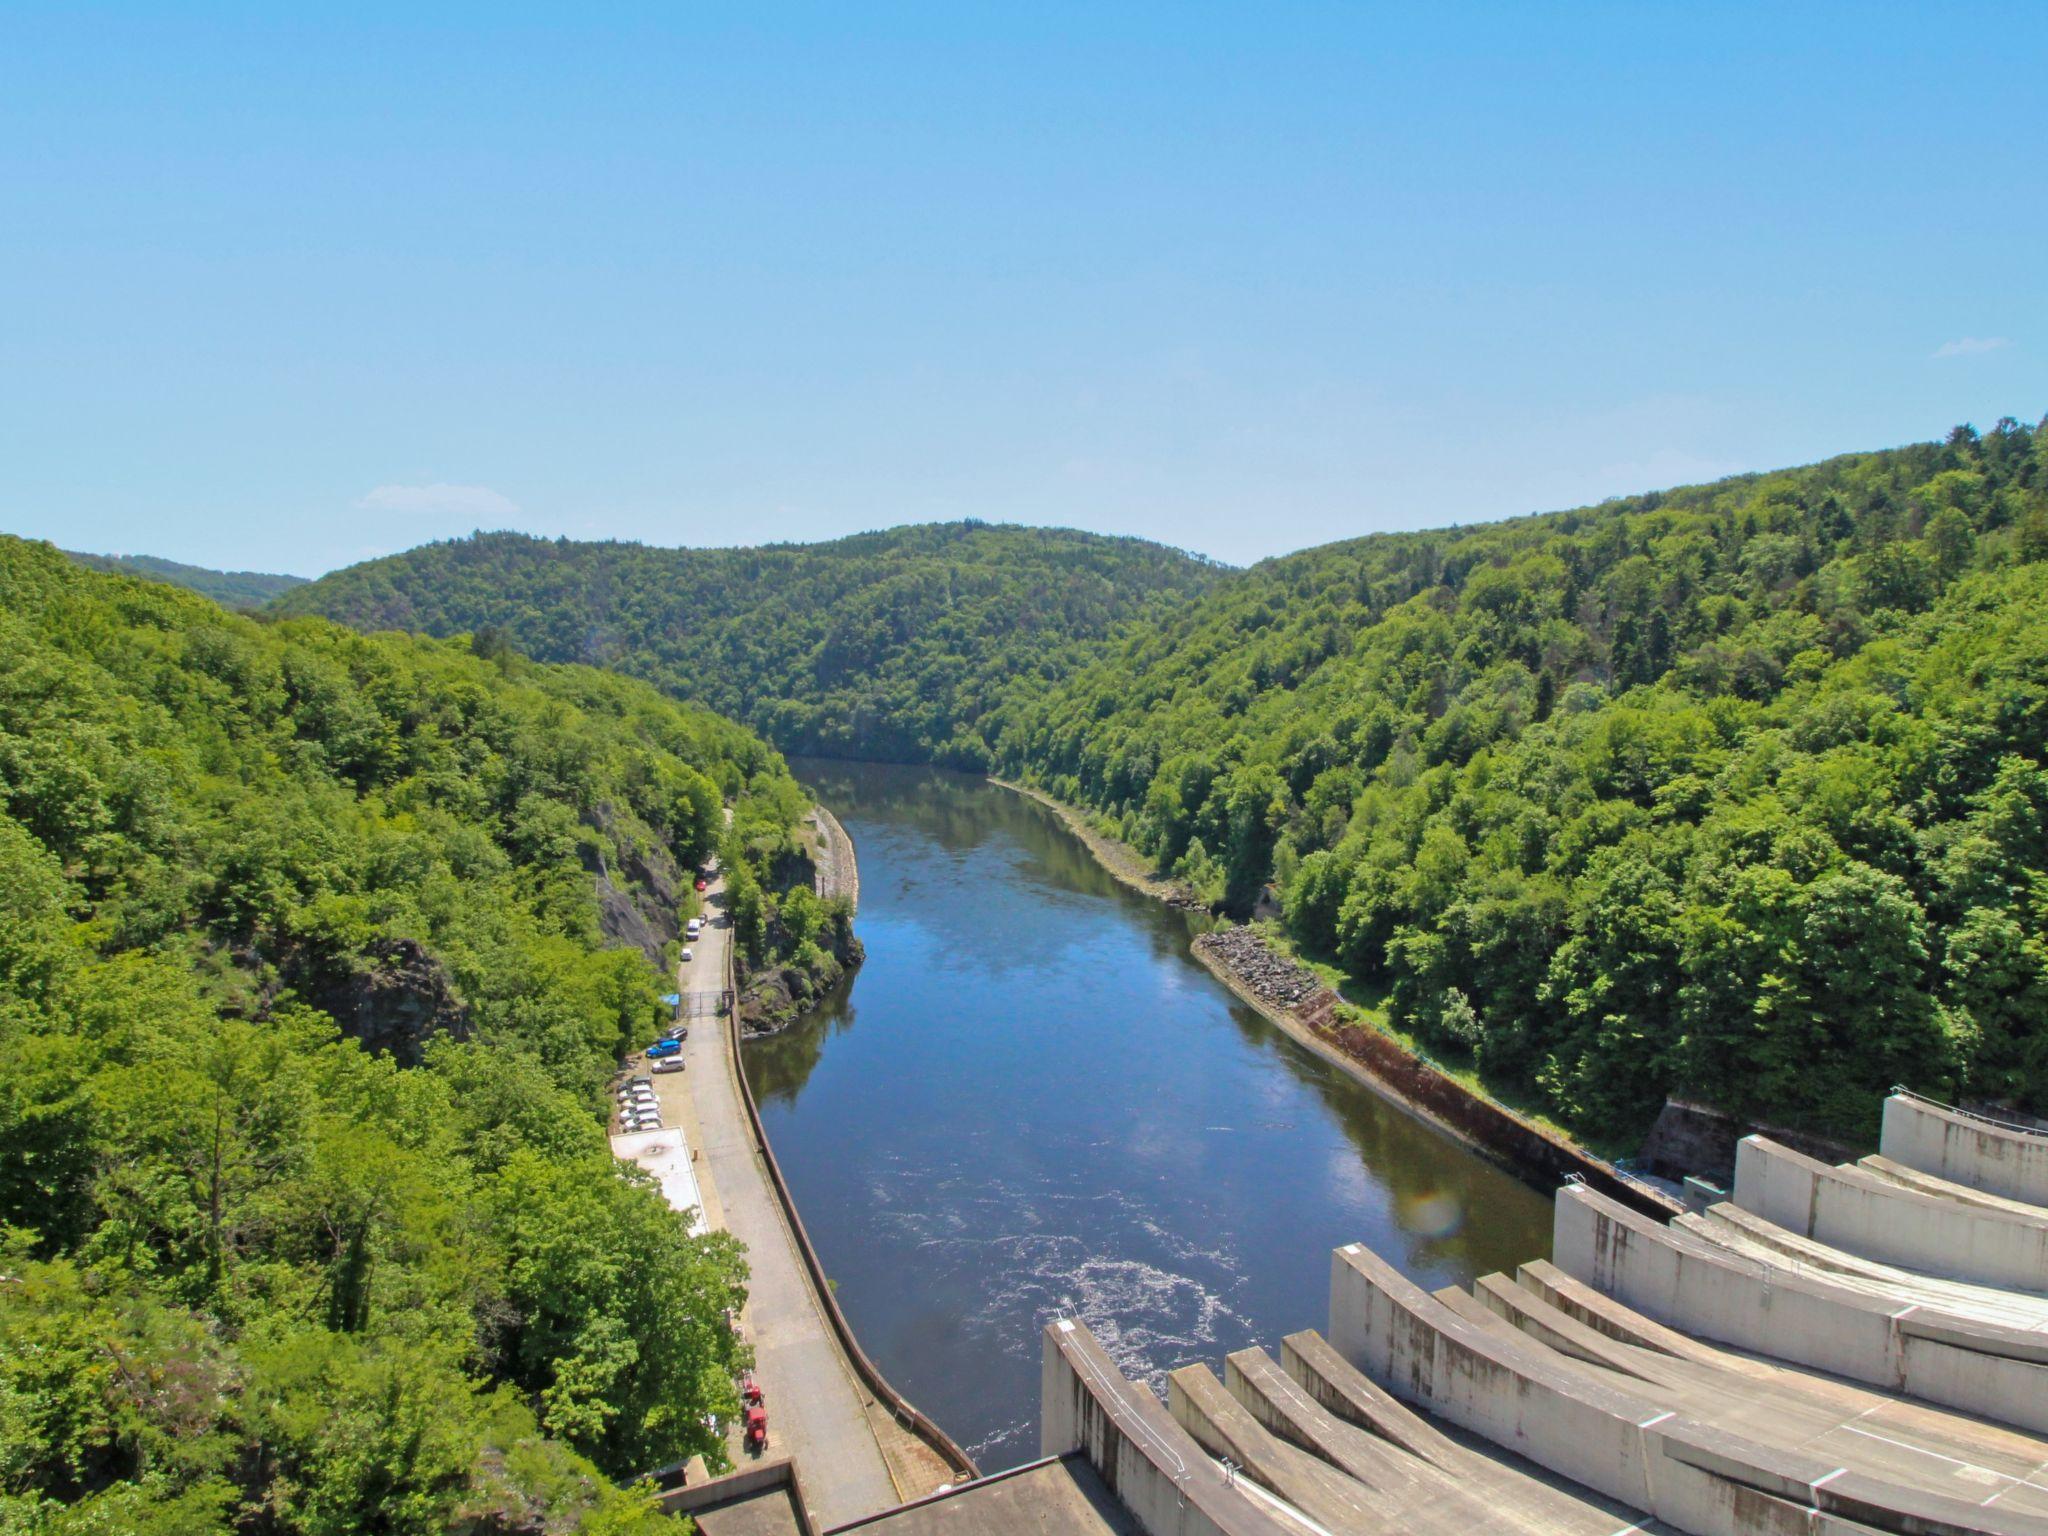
x=892 y=645
x=1737 y=791
x=231 y=589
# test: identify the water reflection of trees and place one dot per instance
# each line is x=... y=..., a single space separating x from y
x=1453 y=1208
x=779 y=1065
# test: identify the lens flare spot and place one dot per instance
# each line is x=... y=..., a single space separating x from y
x=1431 y=1214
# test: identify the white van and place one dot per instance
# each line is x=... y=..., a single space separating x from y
x=695 y=929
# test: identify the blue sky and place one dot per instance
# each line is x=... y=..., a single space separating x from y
x=289 y=287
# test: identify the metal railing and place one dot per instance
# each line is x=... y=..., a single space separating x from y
x=2022 y=1128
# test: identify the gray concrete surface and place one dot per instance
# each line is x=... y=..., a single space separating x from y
x=1850 y=1208
x=1061 y=1496
x=1730 y=1226
x=1893 y=1172
x=2000 y=1160
x=817 y=1413
x=1706 y=1457
x=765 y=1499
x=1169 y=1485
x=1675 y=1277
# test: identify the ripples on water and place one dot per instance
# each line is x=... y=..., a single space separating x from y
x=1032 y=1101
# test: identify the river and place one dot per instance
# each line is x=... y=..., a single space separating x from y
x=1032 y=1097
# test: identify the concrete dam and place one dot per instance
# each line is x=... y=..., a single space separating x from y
x=1829 y=1351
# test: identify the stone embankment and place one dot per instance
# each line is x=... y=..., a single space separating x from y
x=837 y=870
x=1292 y=997
x=1296 y=1001
x=1269 y=977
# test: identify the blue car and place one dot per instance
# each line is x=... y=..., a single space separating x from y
x=664 y=1047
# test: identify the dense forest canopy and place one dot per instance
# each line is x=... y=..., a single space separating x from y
x=254 y=1274
x=1734 y=791
x=1738 y=791
x=890 y=645
x=231 y=589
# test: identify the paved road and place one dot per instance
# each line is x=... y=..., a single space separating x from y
x=816 y=1410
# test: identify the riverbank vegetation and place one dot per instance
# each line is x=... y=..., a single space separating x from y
x=894 y=645
x=1735 y=791
x=254 y=1274
x=1732 y=791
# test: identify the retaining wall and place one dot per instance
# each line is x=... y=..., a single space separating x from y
x=759 y=1479
x=1684 y=1282
x=1853 y=1209
x=1965 y=1149
x=1541 y=1158
x=957 y=1461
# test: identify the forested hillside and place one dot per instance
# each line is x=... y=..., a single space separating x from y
x=231 y=589
x=255 y=1275
x=1736 y=792
x=890 y=645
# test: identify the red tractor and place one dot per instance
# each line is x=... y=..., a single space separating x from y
x=755 y=1417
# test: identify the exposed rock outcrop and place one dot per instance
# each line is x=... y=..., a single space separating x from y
x=638 y=889
x=777 y=996
x=393 y=997
x=1270 y=977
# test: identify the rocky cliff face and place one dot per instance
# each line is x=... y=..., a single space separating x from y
x=775 y=997
x=638 y=889
x=394 y=997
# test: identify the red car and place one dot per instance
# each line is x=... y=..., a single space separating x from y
x=702 y=882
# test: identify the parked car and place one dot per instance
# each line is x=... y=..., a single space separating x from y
x=669 y=1064
x=688 y=954
x=702 y=883
x=676 y=1032
x=662 y=1048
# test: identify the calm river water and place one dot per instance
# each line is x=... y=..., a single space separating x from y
x=1032 y=1097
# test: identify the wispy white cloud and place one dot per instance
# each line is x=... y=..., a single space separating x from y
x=1972 y=346
x=478 y=501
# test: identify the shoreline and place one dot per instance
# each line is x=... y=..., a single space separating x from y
x=839 y=872
x=1305 y=1035
x=1538 y=1156
x=835 y=872
x=888 y=1409
x=1119 y=858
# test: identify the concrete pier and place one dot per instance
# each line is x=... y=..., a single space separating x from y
x=1707 y=1456
x=1688 y=1283
x=1721 y=1374
x=1965 y=1149
x=1158 y=1471
x=1851 y=1208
